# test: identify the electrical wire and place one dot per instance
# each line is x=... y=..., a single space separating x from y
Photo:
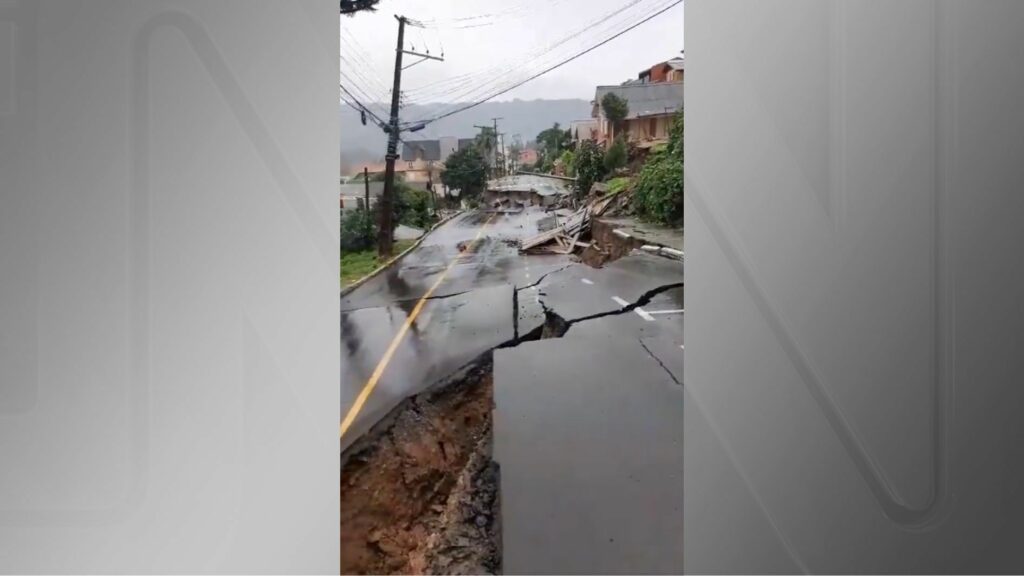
x=496 y=88
x=557 y=65
x=468 y=85
x=486 y=90
x=360 y=60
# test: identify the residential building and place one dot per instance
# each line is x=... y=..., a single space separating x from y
x=448 y=145
x=420 y=173
x=354 y=193
x=652 y=108
x=668 y=71
x=527 y=157
x=434 y=150
x=428 y=150
x=417 y=173
x=588 y=129
x=421 y=161
x=653 y=99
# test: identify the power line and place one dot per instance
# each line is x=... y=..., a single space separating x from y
x=468 y=89
x=488 y=19
x=448 y=85
x=359 y=54
x=459 y=83
x=483 y=91
x=363 y=95
x=557 y=65
x=359 y=106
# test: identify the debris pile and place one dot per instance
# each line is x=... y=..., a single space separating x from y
x=564 y=237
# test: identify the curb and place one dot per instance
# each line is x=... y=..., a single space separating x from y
x=656 y=249
x=348 y=289
x=664 y=251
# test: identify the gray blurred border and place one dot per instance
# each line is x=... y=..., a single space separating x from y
x=801 y=96
x=217 y=459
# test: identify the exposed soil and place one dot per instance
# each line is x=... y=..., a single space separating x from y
x=419 y=492
x=605 y=245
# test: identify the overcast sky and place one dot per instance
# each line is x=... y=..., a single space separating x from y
x=518 y=37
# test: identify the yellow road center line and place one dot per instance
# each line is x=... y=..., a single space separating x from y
x=364 y=394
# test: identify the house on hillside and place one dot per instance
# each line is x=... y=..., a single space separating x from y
x=653 y=98
x=417 y=173
x=588 y=129
x=425 y=150
x=434 y=150
x=527 y=157
x=652 y=108
x=668 y=71
x=421 y=161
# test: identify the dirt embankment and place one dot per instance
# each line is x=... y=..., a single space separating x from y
x=605 y=245
x=419 y=493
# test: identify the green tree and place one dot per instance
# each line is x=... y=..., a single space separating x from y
x=466 y=171
x=569 y=162
x=551 y=142
x=659 y=189
x=486 y=140
x=615 y=109
x=589 y=167
x=617 y=154
x=514 y=150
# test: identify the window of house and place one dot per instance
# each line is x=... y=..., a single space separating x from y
x=652 y=127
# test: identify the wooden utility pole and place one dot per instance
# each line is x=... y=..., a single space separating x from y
x=387 y=198
x=502 y=144
x=384 y=230
x=504 y=160
x=366 y=183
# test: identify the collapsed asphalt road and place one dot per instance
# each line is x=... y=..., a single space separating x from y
x=415 y=425
x=468 y=313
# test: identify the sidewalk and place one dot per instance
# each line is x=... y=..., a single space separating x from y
x=647 y=232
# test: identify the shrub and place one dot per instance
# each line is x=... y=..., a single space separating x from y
x=616 y=185
x=659 y=188
x=415 y=207
x=616 y=156
x=589 y=167
x=569 y=163
x=358 y=230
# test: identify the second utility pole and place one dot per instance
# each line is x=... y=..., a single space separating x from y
x=387 y=197
x=502 y=144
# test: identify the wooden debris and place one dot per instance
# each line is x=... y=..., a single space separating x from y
x=565 y=235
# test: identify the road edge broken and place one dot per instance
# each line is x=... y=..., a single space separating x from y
x=351 y=287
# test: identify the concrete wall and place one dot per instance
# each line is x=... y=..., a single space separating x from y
x=650 y=128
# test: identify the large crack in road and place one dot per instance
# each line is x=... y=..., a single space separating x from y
x=420 y=490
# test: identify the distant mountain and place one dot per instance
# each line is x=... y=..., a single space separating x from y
x=363 y=144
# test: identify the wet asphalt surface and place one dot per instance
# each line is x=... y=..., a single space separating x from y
x=469 y=313
x=587 y=428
